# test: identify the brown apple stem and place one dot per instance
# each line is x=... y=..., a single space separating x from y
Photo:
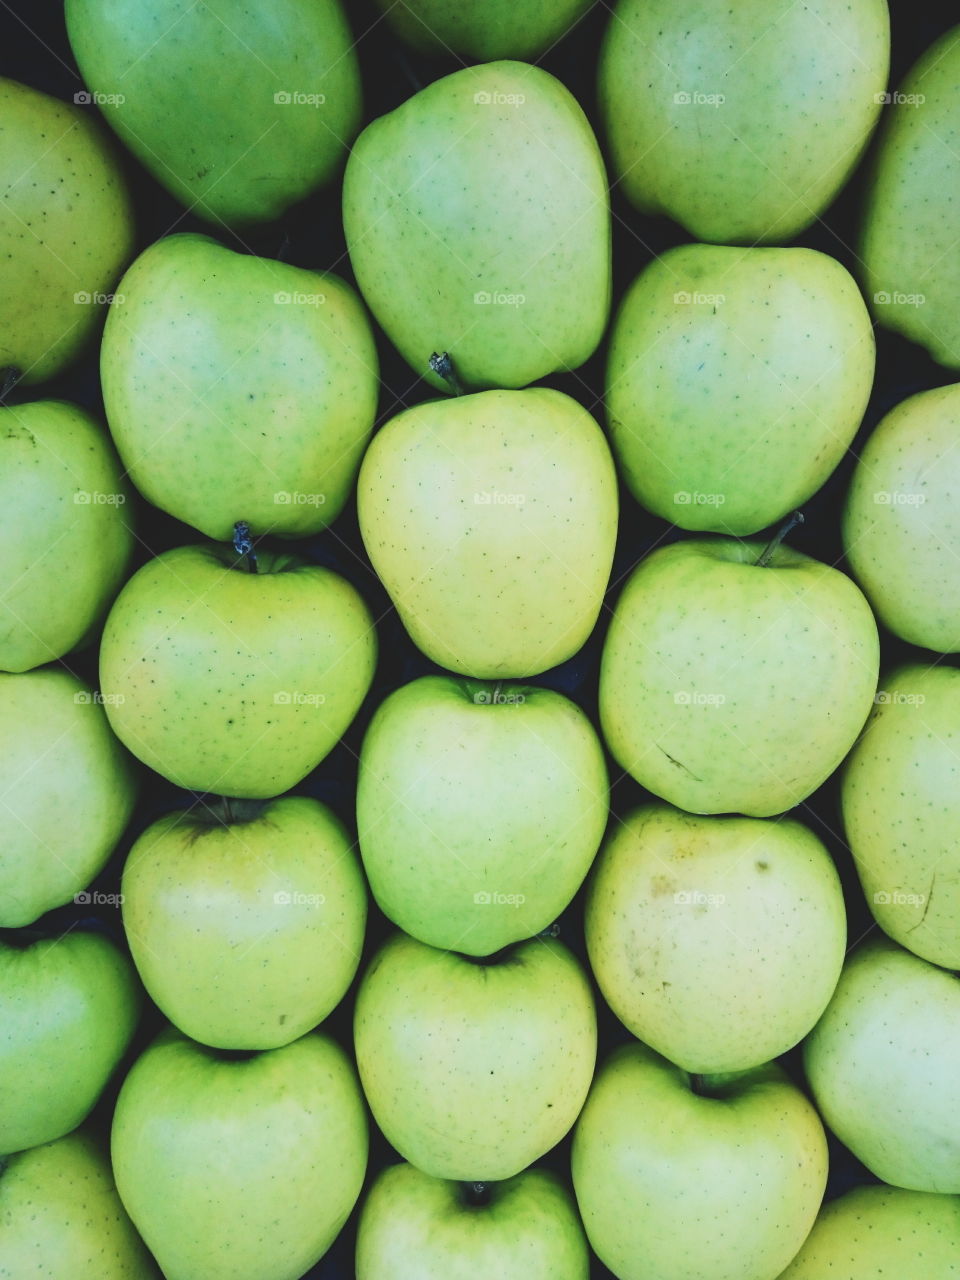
x=442 y=365
x=227 y=810
x=9 y=377
x=766 y=555
x=476 y=1194
x=243 y=544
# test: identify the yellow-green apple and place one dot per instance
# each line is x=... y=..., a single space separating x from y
x=67 y=788
x=697 y=928
x=483 y=30
x=68 y=1009
x=474 y=1069
x=66 y=231
x=239 y=1166
x=479 y=809
x=238 y=388
x=882 y=1065
x=491 y=520
x=908 y=240
x=901 y=527
x=735 y=678
x=414 y=1227
x=478 y=224
x=66 y=538
x=741 y=121
x=736 y=379
x=704 y=1178
x=246 y=921
x=239 y=111
x=60 y=1215
x=230 y=681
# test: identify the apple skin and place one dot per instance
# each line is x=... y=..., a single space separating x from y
x=467 y=791
x=200 y=87
x=69 y=789
x=876 y=1231
x=676 y=1186
x=235 y=682
x=799 y=89
x=414 y=1227
x=223 y=401
x=66 y=229
x=900 y=801
x=63 y=557
x=491 y=520
x=477 y=220
x=60 y=1215
x=472 y=1070
x=68 y=1009
x=901 y=527
x=709 y=980
x=910 y=269
x=747 y=404
x=483 y=30
x=881 y=1063
x=239 y=1169
x=225 y=929
x=699 y=726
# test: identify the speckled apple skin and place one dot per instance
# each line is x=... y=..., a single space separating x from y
x=483 y=30
x=900 y=799
x=226 y=929
x=227 y=681
x=901 y=522
x=882 y=1065
x=672 y=1185
x=60 y=1215
x=68 y=1010
x=747 y=402
x=69 y=789
x=908 y=244
x=66 y=229
x=799 y=88
x=238 y=388
x=448 y=199
x=789 y=653
x=492 y=588
x=198 y=83
x=474 y=1071
x=239 y=1169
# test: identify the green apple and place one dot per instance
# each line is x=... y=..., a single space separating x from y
x=908 y=241
x=65 y=541
x=483 y=30
x=736 y=380
x=235 y=682
x=238 y=110
x=68 y=1009
x=478 y=224
x=238 y=388
x=479 y=809
x=710 y=1178
x=67 y=788
x=239 y=1167
x=246 y=923
x=491 y=520
x=474 y=1069
x=901 y=528
x=414 y=1227
x=66 y=230
x=697 y=927
x=877 y=1231
x=728 y=685
x=882 y=1065
x=900 y=799
x=741 y=121
x=60 y=1215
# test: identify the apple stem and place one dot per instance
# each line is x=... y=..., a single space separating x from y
x=442 y=365
x=477 y=1193
x=766 y=555
x=696 y=1082
x=9 y=377
x=551 y=931
x=243 y=544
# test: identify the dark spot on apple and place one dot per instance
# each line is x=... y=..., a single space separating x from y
x=763 y=866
